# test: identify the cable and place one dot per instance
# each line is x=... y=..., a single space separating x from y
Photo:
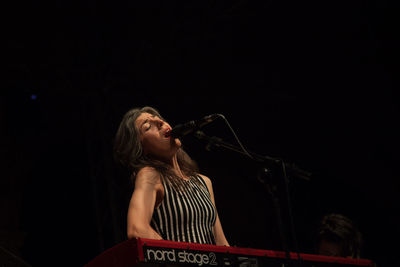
x=24 y=263
x=237 y=139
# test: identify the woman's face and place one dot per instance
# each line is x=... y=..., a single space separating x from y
x=155 y=138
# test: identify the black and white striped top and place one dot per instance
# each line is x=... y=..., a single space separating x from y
x=186 y=215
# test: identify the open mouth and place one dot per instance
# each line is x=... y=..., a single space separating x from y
x=167 y=133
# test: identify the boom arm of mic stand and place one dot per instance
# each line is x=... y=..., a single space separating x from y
x=218 y=142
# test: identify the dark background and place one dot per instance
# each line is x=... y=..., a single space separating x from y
x=312 y=82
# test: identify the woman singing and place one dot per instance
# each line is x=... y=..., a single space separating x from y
x=171 y=200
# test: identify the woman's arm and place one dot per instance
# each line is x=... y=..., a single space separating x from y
x=148 y=189
x=219 y=235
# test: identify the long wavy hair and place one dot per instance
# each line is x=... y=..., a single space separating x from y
x=128 y=150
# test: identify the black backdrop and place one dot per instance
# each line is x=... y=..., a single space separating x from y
x=312 y=82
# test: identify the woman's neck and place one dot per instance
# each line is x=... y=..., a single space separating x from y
x=177 y=169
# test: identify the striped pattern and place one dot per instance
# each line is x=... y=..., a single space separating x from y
x=187 y=215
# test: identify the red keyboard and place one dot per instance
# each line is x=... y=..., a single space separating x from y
x=148 y=252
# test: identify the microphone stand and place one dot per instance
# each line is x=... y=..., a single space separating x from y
x=271 y=161
x=264 y=177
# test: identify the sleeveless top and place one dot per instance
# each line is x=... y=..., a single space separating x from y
x=187 y=215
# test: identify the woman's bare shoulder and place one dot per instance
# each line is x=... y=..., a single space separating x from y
x=148 y=175
x=206 y=179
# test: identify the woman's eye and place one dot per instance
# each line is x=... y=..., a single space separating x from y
x=148 y=127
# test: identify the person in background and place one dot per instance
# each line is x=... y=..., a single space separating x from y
x=171 y=200
x=338 y=236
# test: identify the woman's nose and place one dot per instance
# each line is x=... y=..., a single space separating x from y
x=159 y=123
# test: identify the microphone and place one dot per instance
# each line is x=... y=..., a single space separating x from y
x=186 y=128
